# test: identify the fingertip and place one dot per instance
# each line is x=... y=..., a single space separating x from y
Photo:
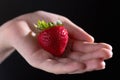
x=101 y=66
x=108 y=46
x=91 y=39
x=109 y=53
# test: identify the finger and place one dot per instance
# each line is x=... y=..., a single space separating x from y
x=76 y=32
x=88 y=47
x=101 y=53
x=61 y=67
x=92 y=65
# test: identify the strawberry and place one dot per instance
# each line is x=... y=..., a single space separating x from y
x=52 y=37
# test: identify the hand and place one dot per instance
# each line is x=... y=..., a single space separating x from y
x=82 y=53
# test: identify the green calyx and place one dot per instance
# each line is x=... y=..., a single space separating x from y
x=42 y=25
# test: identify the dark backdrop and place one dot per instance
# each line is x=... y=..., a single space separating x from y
x=97 y=17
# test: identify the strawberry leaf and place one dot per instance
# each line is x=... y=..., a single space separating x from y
x=42 y=25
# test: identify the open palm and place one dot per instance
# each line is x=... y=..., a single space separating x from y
x=81 y=55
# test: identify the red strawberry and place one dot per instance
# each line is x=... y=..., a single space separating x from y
x=52 y=37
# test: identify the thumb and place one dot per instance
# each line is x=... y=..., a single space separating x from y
x=76 y=32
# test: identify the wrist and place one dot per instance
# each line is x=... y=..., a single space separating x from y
x=5 y=48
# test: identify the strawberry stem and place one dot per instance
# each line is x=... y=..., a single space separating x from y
x=58 y=22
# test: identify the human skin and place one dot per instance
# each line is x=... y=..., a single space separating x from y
x=82 y=53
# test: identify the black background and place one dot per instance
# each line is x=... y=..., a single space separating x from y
x=100 y=18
